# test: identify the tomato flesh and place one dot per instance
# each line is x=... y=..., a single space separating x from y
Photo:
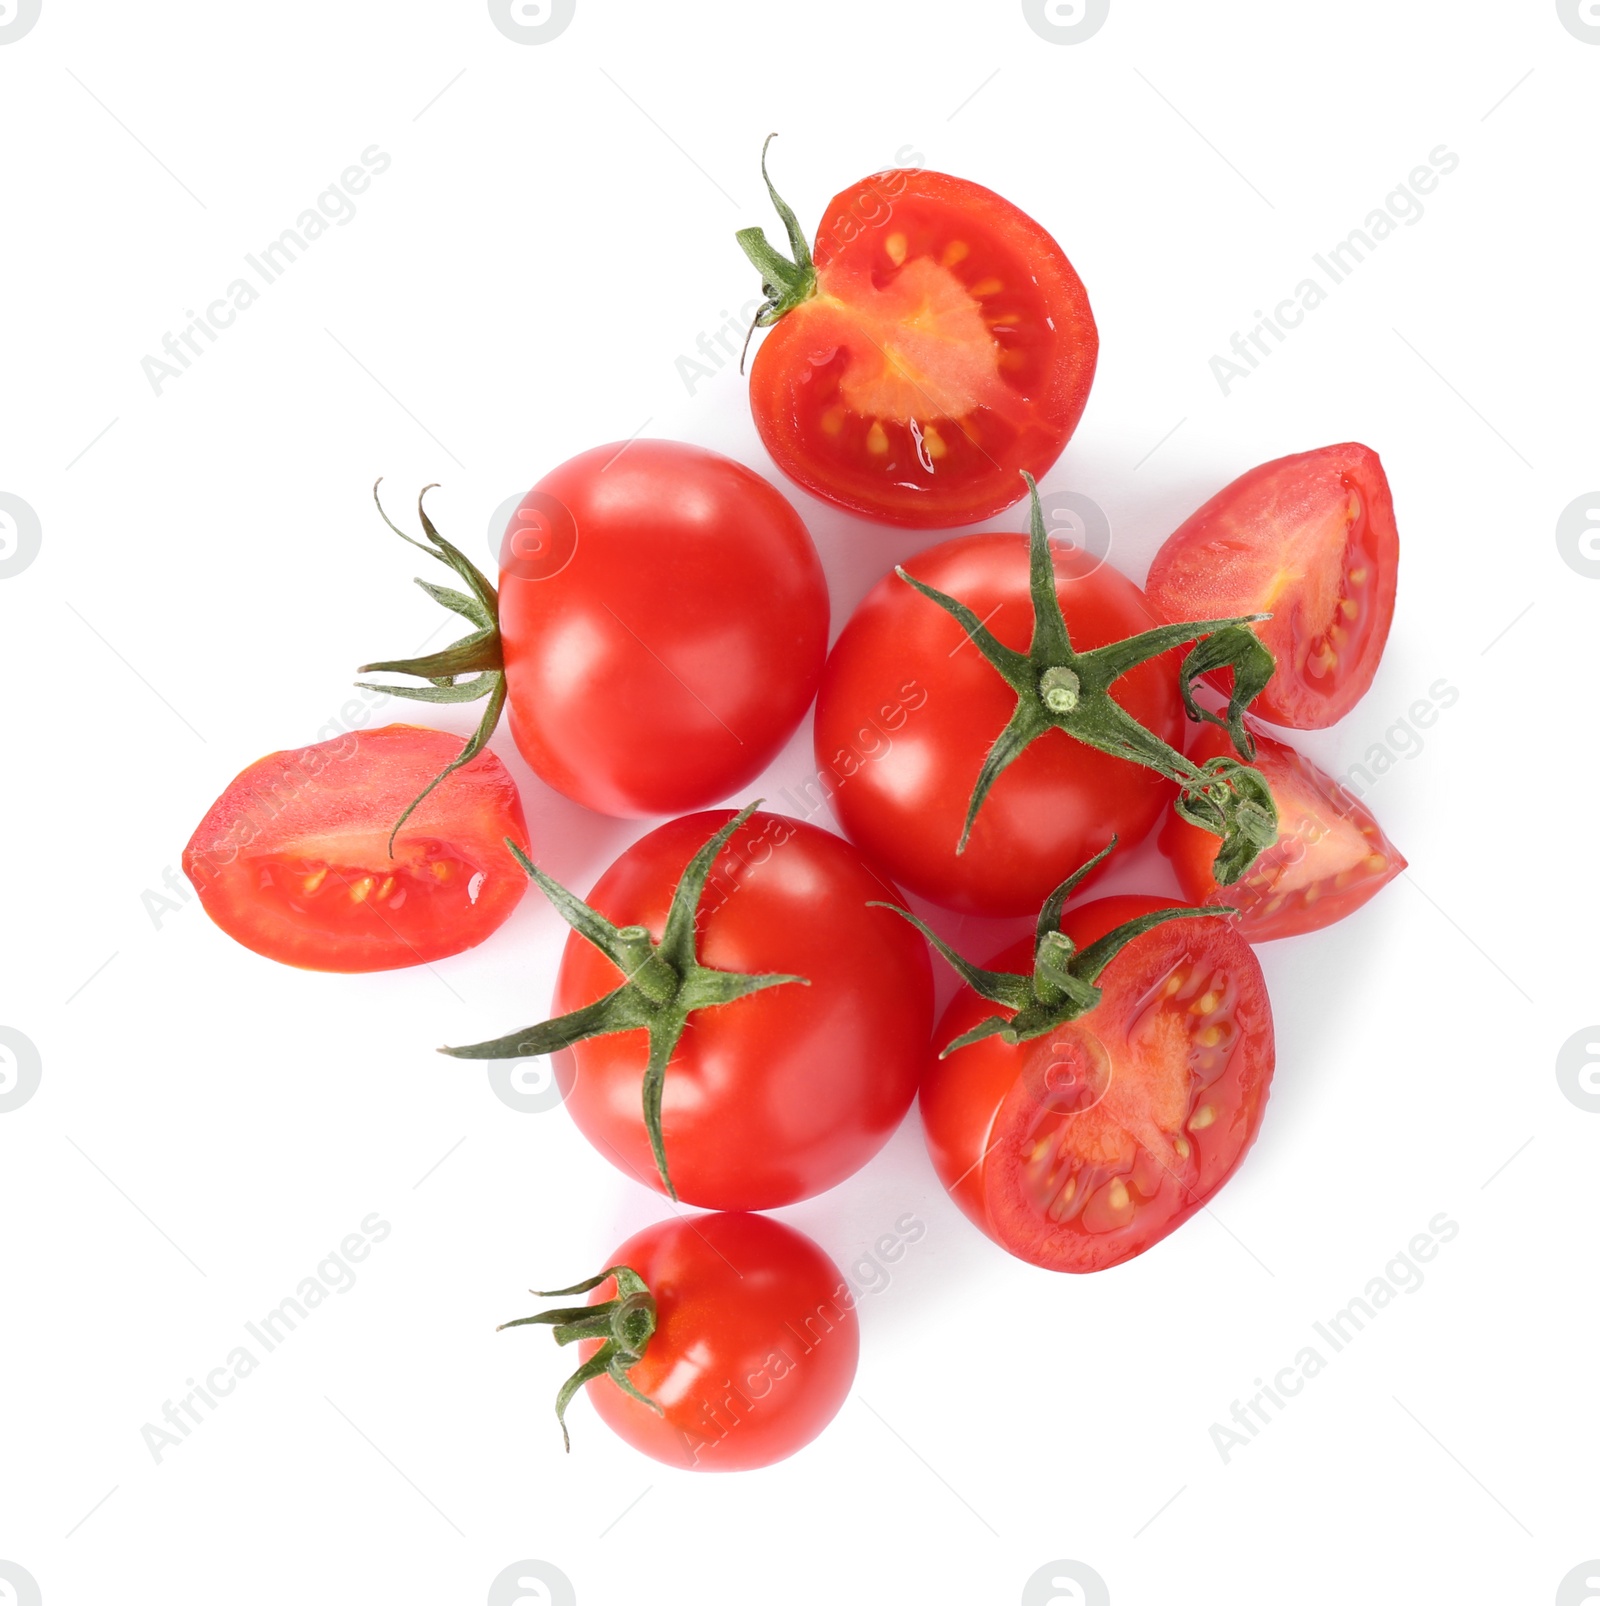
x=293 y=860
x=1330 y=858
x=949 y=345
x=755 y=1346
x=1080 y=1149
x=1311 y=540
x=909 y=708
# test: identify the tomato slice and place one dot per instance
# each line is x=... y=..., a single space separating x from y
x=1311 y=540
x=1331 y=855
x=1080 y=1149
x=948 y=346
x=293 y=859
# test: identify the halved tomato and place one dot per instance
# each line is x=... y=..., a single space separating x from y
x=293 y=859
x=1310 y=540
x=935 y=343
x=1079 y=1149
x=1331 y=855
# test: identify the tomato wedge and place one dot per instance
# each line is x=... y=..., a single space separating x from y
x=1331 y=855
x=936 y=342
x=1079 y=1149
x=293 y=859
x=1310 y=540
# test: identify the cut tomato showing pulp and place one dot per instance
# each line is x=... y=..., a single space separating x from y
x=947 y=345
x=1080 y=1149
x=1331 y=855
x=293 y=859
x=1311 y=541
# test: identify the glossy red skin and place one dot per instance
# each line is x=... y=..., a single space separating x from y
x=334 y=804
x=1029 y=380
x=783 y=1093
x=664 y=642
x=1224 y=560
x=909 y=709
x=755 y=1345
x=965 y=1097
x=1322 y=866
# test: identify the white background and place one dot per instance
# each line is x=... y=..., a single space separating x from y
x=554 y=232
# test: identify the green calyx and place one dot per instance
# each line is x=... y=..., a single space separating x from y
x=462 y=673
x=1060 y=688
x=1063 y=984
x=784 y=282
x=623 y=1325
x=664 y=983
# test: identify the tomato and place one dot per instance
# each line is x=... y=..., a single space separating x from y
x=293 y=859
x=1312 y=541
x=768 y=1098
x=935 y=342
x=741 y=1336
x=1079 y=1149
x=909 y=710
x=659 y=629
x=1331 y=855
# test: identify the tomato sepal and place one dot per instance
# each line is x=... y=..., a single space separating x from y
x=624 y=1326
x=1063 y=983
x=1060 y=688
x=784 y=282
x=477 y=655
x=664 y=984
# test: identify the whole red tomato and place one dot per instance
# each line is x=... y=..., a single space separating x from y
x=715 y=1343
x=658 y=632
x=1079 y=1149
x=294 y=860
x=1310 y=540
x=1331 y=855
x=909 y=710
x=730 y=968
x=935 y=342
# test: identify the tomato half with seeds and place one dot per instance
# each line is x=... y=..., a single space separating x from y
x=909 y=708
x=1311 y=540
x=1080 y=1149
x=1331 y=855
x=754 y=1346
x=293 y=859
x=777 y=1095
x=934 y=343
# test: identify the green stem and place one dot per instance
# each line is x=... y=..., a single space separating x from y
x=663 y=984
x=1060 y=688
